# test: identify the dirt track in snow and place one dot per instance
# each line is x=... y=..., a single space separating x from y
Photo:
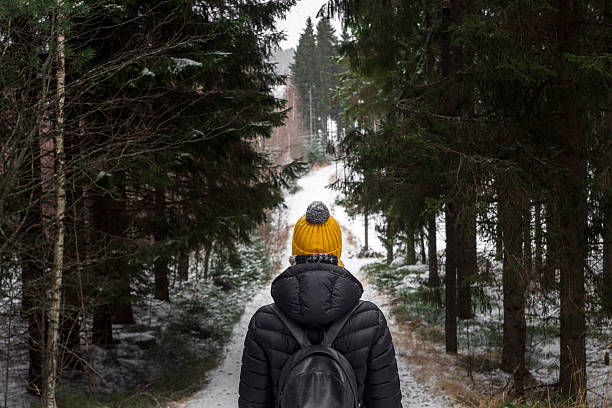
x=222 y=389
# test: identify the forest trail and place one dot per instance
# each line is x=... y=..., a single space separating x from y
x=222 y=389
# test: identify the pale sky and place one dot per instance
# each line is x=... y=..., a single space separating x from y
x=294 y=25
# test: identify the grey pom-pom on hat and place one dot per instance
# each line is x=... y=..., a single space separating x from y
x=317 y=213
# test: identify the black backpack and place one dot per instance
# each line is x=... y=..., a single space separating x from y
x=317 y=375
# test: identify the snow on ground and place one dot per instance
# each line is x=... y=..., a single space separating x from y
x=222 y=390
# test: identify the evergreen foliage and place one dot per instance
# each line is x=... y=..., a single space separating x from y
x=165 y=104
x=485 y=110
x=315 y=73
x=304 y=70
x=327 y=72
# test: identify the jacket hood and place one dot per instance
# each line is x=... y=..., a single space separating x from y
x=316 y=293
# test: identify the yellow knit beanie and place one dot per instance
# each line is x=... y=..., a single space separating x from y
x=317 y=232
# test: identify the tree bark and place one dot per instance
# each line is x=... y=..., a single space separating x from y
x=55 y=291
x=33 y=286
x=160 y=267
x=410 y=252
x=34 y=256
x=122 y=300
x=434 y=277
x=389 y=248
x=538 y=256
x=113 y=274
x=102 y=329
x=606 y=292
x=527 y=248
x=450 y=108
x=422 y=245
x=389 y=241
x=450 y=280
x=466 y=266
x=553 y=246
x=207 y=251
x=183 y=264
x=572 y=292
x=34 y=313
x=106 y=221
x=499 y=241
x=122 y=303
x=365 y=232
x=573 y=213
x=606 y=279
x=160 y=270
x=515 y=281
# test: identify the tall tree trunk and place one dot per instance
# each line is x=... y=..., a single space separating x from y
x=527 y=248
x=160 y=267
x=113 y=274
x=499 y=241
x=160 y=270
x=410 y=252
x=34 y=313
x=573 y=213
x=553 y=245
x=34 y=255
x=422 y=245
x=122 y=304
x=606 y=291
x=102 y=328
x=183 y=264
x=207 y=251
x=515 y=281
x=389 y=248
x=450 y=280
x=434 y=277
x=70 y=356
x=55 y=291
x=572 y=292
x=33 y=286
x=122 y=300
x=467 y=266
x=538 y=256
x=365 y=232
x=389 y=241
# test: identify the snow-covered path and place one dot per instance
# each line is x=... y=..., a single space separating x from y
x=222 y=390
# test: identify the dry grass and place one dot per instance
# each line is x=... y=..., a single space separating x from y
x=317 y=166
x=431 y=365
x=348 y=236
x=450 y=374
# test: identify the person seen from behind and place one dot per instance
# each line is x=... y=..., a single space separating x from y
x=318 y=345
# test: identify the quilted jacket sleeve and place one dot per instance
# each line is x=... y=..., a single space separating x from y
x=255 y=390
x=382 y=386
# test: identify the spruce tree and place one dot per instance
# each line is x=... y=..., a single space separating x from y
x=496 y=108
x=159 y=98
x=327 y=70
x=305 y=75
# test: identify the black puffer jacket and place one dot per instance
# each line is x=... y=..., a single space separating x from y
x=318 y=293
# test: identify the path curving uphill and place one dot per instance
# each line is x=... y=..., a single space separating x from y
x=222 y=389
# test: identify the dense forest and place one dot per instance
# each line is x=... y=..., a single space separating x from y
x=496 y=116
x=140 y=210
x=128 y=139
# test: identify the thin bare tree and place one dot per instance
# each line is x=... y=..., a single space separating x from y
x=55 y=291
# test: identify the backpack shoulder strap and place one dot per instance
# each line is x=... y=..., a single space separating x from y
x=296 y=331
x=334 y=330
